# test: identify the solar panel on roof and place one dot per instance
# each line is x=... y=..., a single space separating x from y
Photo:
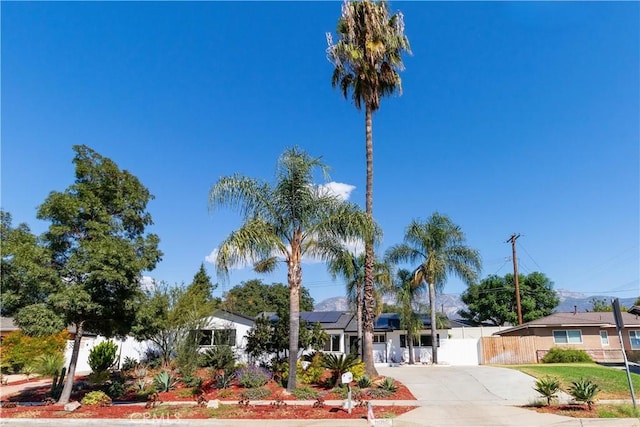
x=331 y=316
x=312 y=316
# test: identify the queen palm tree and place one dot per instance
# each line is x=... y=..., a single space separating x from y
x=406 y=294
x=439 y=245
x=367 y=59
x=284 y=222
x=350 y=267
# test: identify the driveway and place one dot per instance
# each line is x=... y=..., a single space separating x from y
x=478 y=396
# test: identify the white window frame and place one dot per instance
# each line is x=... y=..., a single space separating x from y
x=604 y=338
x=568 y=338
x=634 y=339
x=333 y=339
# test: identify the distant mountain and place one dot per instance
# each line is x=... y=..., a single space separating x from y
x=451 y=304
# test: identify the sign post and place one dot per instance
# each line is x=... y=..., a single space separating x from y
x=617 y=314
x=347 y=377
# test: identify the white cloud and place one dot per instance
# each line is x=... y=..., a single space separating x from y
x=211 y=258
x=147 y=283
x=339 y=189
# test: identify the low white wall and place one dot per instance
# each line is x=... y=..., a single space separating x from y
x=127 y=348
x=459 y=352
x=466 y=332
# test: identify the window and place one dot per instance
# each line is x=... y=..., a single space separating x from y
x=333 y=343
x=634 y=337
x=604 y=338
x=209 y=337
x=570 y=336
x=421 y=341
x=378 y=339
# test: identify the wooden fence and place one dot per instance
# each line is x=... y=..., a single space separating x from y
x=508 y=350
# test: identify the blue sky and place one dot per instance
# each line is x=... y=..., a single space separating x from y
x=515 y=118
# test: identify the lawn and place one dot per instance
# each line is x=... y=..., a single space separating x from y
x=612 y=382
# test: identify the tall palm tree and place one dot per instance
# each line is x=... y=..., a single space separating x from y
x=439 y=245
x=367 y=59
x=284 y=222
x=350 y=267
x=407 y=296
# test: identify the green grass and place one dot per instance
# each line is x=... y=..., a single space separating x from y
x=617 y=411
x=612 y=382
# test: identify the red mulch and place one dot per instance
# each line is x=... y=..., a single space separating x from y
x=278 y=409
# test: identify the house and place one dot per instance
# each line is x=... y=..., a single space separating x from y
x=390 y=343
x=7 y=325
x=593 y=332
x=226 y=327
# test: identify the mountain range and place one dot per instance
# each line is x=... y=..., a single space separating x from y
x=451 y=304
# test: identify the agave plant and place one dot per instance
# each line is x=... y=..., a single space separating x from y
x=585 y=391
x=164 y=381
x=548 y=387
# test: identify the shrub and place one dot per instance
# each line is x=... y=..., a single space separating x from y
x=252 y=376
x=223 y=379
x=314 y=371
x=633 y=356
x=566 y=355
x=364 y=382
x=218 y=357
x=379 y=392
x=358 y=370
x=342 y=392
x=115 y=388
x=103 y=356
x=18 y=350
x=48 y=364
x=225 y=393
x=256 y=393
x=584 y=391
x=389 y=384
x=129 y=364
x=192 y=381
x=96 y=398
x=305 y=393
x=164 y=381
x=548 y=387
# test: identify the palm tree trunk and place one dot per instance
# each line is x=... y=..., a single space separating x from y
x=434 y=333
x=359 y=319
x=410 y=345
x=71 y=372
x=369 y=300
x=295 y=279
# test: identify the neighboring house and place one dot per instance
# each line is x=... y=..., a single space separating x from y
x=594 y=332
x=226 y=327
x=7 y=326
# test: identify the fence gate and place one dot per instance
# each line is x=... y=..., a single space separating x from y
x=508 y=350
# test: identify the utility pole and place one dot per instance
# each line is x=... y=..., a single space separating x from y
x=512 y=239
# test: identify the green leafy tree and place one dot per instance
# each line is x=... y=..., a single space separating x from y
x=493 y=299
x=350 y=267
x=367 y=59
x=254 y=297
x=284 y=222
x=439 y=245
x=407 y=294
x=99 y=249
x=168 y=315
x=26 y=276
x=637 y=302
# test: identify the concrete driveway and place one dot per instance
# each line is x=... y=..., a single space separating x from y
x=478 y=396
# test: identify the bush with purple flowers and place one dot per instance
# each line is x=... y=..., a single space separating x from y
x=253 y=376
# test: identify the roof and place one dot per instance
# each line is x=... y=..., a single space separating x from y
x=7 y=324
x=327 y=319
x=634 y=310
x=222 y=313
x=388 y=322
x=602 y=319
